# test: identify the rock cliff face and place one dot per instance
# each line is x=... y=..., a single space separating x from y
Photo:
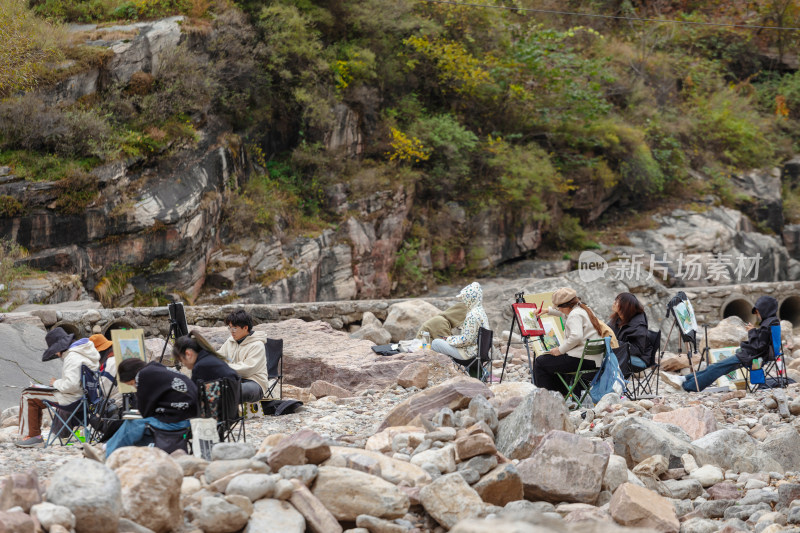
x=157 y=226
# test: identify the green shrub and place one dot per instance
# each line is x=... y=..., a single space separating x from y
x=568 y=234
x=10 y=207
x=451 y=148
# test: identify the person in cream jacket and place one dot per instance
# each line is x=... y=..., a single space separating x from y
x=244 y=352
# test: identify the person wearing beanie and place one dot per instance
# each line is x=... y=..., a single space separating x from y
x=465 y=345
x=581 y=325
x=166 y=399
x=758 y=344
x=65 y=392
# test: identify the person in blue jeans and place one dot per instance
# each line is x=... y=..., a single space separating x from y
x=759 y=340
x=166 y=400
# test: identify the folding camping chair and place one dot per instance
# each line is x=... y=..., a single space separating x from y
x=644 y=371
x=274 y=349
x=481 y=364
x=575 y=380
x=220 y=399
x=74 y=418
x=773 y=371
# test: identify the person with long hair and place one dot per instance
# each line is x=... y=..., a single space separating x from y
x=581 y=324
x=629 y=323
x=196 y=354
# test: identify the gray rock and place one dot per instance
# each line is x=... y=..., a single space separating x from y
x=219 y=469
x=714 y=508
x=449 y=499
x=91 y=491
x=372 y=523
x=743 y=512
x=275 y=516
x=734 y=449
x=254 y=486
x=699 y=525
x=783 y=445
x=637 y=438
x=216 y=515
x=49 y=514
x=682 y=507
x=683 y=489
x=226 y=451
x=305 y=473
x=559 y=456
x=480 y=463
x=616 y=473
x=539 y=412
x=758 y=496
x=23 y=345
x=480 y=409
x=787 y=493
x=469 y=475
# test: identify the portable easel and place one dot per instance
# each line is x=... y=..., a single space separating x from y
x=689 y=338
x=519 y=298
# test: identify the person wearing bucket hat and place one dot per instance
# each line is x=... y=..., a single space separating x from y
x=64 y=392
x=581 y=324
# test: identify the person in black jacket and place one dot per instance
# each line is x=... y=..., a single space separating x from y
x=758 y=343
x=197 y=355
x=629 y=324
x=166 y=400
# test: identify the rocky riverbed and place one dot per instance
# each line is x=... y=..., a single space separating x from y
x=437 y=453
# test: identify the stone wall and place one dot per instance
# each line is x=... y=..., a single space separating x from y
x=711 y=305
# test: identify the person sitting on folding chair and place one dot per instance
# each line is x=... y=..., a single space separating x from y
x=629 y=323
x=65 y=391
x=465 y=345
x=581 y=325
x=441 y=326
x=196 y=354
x=245 y=352
x=759 y=340
x=166 y=400
x=108 y=366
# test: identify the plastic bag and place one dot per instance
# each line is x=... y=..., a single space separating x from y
x=609 y=378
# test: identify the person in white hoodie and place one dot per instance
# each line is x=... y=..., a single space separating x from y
x=244 y=351
x=65 y=392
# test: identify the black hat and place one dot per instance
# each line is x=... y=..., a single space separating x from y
x=57 y=340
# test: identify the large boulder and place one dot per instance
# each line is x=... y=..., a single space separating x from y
x=562 y=456
x=151 y=487
x=760 y=196
x=405 y=318
x=520 y=432
x=319 y=352
x=23 y=345
x=734 y=449
x=348 y=493
x=637 y=438
x=20 y=489
x=92 y=492
x=729 y=332
x=454 y=393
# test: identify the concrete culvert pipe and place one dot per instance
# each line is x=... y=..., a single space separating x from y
x=739 y=307
x=789 y=309
x=118 y=324
x=69 y=327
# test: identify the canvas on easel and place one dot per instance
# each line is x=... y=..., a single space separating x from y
x=529 y=323
x=543 y=300
x=552 y=335
x=128 y=344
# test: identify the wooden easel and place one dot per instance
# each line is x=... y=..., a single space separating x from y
x=520 y=299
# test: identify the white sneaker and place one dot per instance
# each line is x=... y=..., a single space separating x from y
x=674 y=380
